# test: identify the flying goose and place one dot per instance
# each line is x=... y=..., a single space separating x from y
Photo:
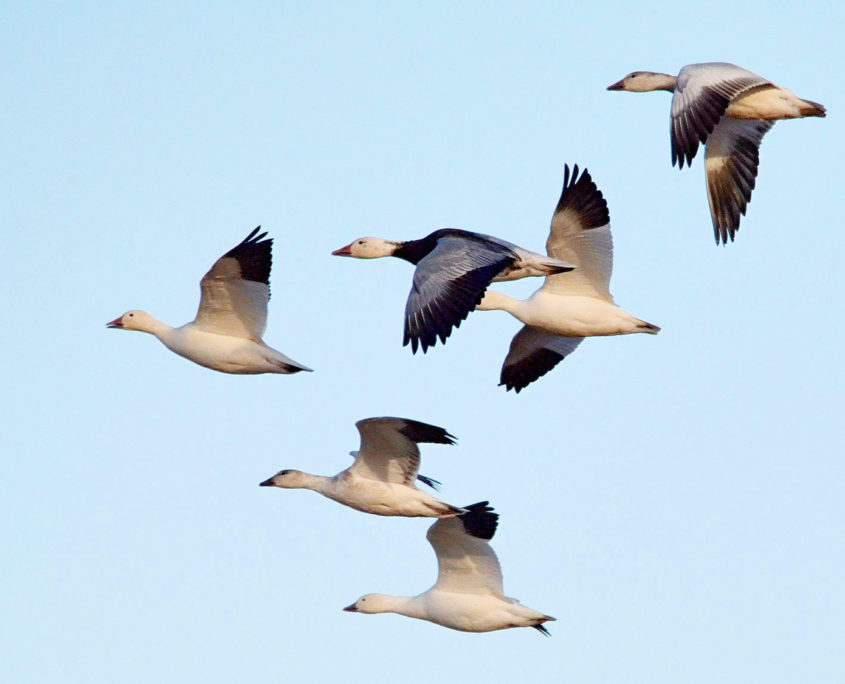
x=226 y=333
x=569 y=306
x=468 y=595
x=453 y=268
x=730 y=109
x=381 y=480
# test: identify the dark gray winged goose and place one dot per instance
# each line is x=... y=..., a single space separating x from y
x=454 y=268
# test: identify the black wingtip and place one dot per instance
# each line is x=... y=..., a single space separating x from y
x=582 y=195
x=511 y=386
x=254 y=255
x=420 y=432
x=519 y=375
x=542 y=630
x=480 y=521
x=430 y=482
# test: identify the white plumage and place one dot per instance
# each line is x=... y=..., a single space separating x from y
x=569 y=306
x=232 y=316
x=381 y=480
x=469 y=594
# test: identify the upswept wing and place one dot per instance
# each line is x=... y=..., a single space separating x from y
x=235 y=291
x=448 y=283
x=533 y=353
x=580 y=235
x=425 y=479
x=389 y=451
x=702 y=95
x=466 y=563
x=731 y=159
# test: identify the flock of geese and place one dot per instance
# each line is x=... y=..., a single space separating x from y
x=721 y=106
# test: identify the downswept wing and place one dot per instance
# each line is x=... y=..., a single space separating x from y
x=731 y=159
x=702 y=95
x=389 y=451
x=580 y=235
x=533 y=353
x=466 y=563
x=448 y=283
x=235 y=291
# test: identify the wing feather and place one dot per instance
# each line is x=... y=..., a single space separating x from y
x=731 y=159
x=580 y=235
x=532 y=354
x=389 y=451
x=702 y=95
x=448 y=283
x=236 y=290
x=466 y=563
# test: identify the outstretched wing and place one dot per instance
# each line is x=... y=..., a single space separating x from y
x=389 y=450
x=702 y=95
x=533 y=353
x=466 y=563
x=580 y=235
x=731 y=159
x=235 y=291
x=425 y=479
x=448 y=284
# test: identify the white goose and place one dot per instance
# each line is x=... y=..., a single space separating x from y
x=569 y=306
x=730 y=109
x=468 y=595
x=226 y=333
x=381 y=480
x=454 y=268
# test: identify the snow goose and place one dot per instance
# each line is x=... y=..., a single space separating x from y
x=468 y=595
x=453 y=268
x=730 y=109
x=569 y=306
x=226 y=333
x=381 y=480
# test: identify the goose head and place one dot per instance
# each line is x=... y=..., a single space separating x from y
x=374 y=603
x=287 y=479
x=645 y=81
x=135 y=320
x=368 y=248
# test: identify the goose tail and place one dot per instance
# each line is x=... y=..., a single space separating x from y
x=810 y=108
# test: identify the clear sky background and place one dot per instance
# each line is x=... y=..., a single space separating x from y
x=677 y=501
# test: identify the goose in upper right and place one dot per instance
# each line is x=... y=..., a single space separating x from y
x=730 y=109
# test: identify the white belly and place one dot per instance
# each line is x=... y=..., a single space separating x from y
x=380 y=498
x=573 y=316
x=218 y=352
x=766 y=104
x=476 y=612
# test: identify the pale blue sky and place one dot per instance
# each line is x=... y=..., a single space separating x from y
x=677 y=502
